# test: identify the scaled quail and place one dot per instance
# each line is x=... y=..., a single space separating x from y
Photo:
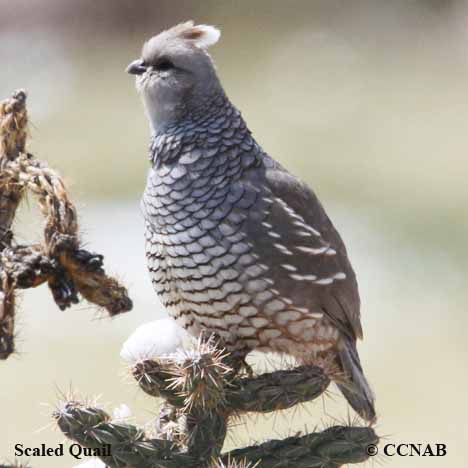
x=235 y=244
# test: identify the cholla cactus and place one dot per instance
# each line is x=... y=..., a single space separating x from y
x=59 y=261
x=202 y=392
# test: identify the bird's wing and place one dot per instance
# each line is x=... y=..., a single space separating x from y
x=293 y=236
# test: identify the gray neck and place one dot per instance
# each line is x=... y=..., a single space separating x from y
x=215 y=123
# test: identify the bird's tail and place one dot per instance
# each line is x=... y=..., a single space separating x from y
x=355 y=387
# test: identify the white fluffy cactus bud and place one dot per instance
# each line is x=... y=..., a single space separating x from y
x=154 y=340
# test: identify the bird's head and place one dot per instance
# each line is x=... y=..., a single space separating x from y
x=175 y=74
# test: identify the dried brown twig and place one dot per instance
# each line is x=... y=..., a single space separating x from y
x=59 y=261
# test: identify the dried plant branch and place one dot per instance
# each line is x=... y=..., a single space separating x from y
x=60 y=261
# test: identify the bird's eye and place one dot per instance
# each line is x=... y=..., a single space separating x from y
x=164 y=64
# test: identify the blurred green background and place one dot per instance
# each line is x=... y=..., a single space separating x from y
x=366 y=100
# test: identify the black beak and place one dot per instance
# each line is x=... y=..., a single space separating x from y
x=137 y=67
